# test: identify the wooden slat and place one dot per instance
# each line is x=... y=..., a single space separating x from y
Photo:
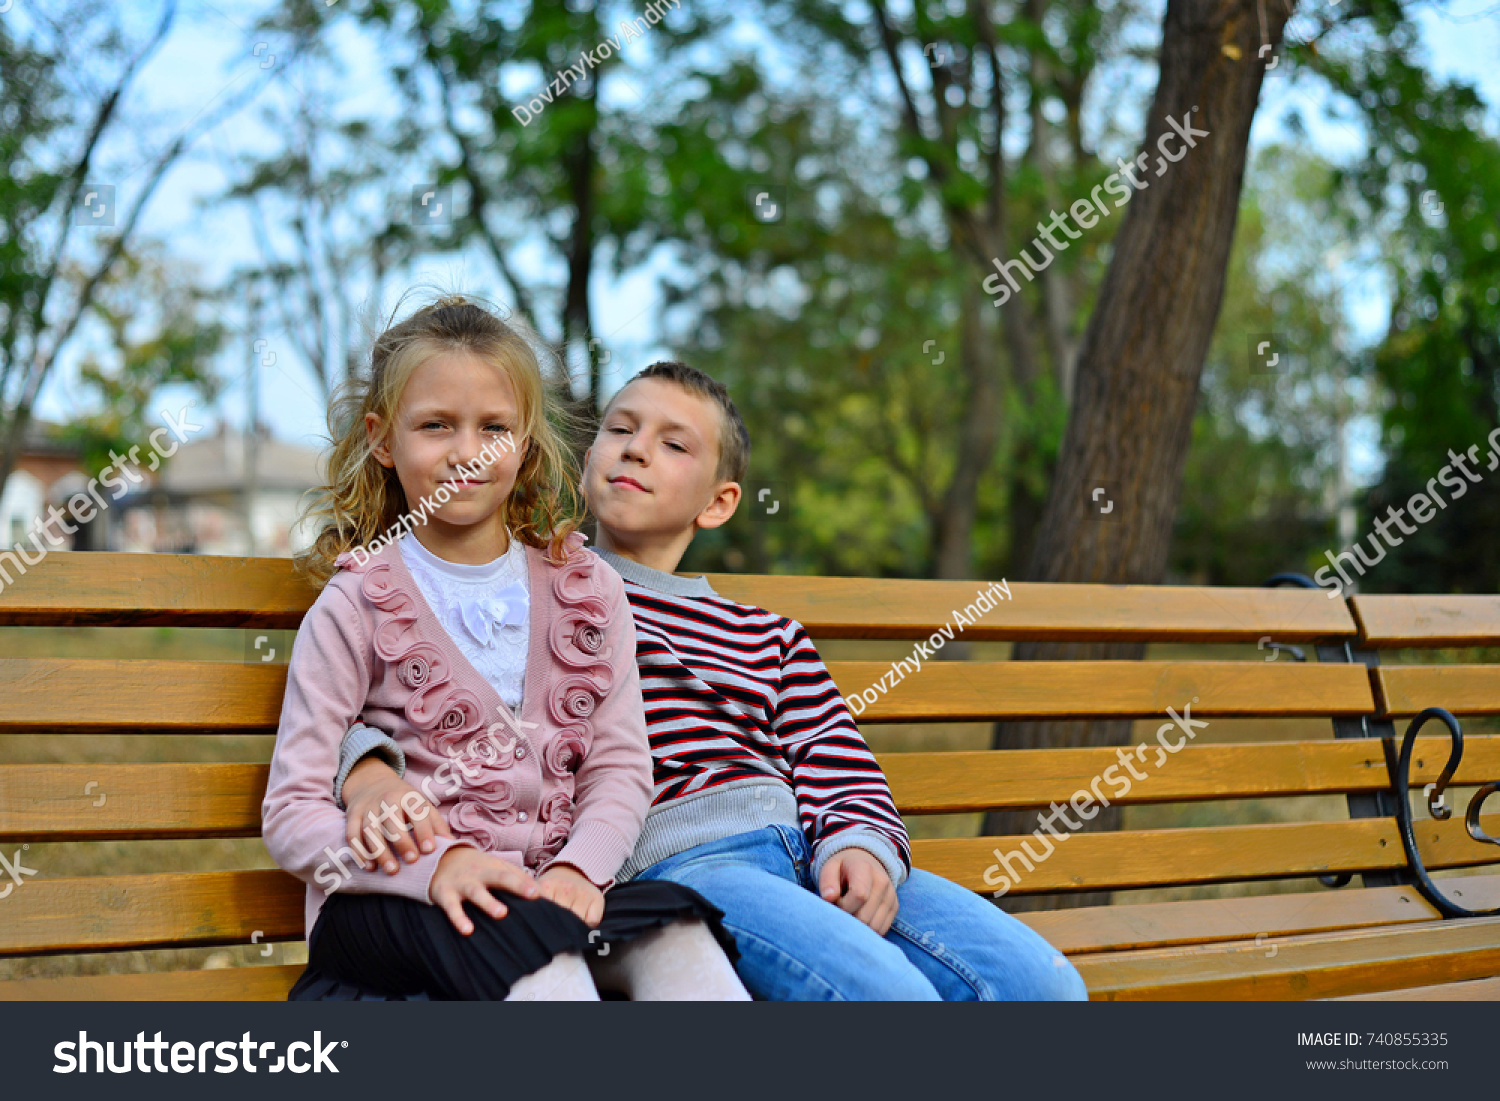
x=1213 y=854
x=972 y=691
x=229 y=984
x=110 y=589
x=149 y=801
x=1296 y=968
x=137 y=801
x=70 y=588
x=141 y=801
x=141 y=911
x=1405 y=690
x=1475 y=990
x=1205 y=920
x=172 y=909
x=92 y=696
x=956 y=782
x=857 y=607
x=73 y=695
x=1388 y=621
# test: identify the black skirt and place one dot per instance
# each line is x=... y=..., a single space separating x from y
x=373 y=947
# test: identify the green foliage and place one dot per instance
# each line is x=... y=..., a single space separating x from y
x=142 y=355
x=1430 y=185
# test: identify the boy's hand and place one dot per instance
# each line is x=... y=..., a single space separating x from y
x=465 y=873
x=379 y=801
x=858 y=883
x=571 y=889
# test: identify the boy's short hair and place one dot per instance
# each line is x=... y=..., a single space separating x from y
x=734 y=437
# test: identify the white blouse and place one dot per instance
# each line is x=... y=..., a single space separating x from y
x=486 y=610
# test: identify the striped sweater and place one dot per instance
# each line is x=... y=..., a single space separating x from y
x=747 y=729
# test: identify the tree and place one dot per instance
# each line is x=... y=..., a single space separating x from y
x=1142 y=355
x=533 y=167
x=51 y=275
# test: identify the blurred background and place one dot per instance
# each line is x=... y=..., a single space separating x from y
x=214 y=207
x=222 y=202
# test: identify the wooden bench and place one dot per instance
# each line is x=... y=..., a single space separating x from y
x=1353 y=941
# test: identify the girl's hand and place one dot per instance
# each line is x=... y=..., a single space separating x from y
x=571 y=889
x=466 y=873
x=383 y=807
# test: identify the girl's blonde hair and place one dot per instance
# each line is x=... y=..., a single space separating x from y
x=363 y=499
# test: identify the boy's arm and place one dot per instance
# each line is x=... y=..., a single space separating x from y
x=842 y=796
x=359 y=743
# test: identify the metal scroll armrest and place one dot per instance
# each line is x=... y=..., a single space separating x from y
x=1400 y=780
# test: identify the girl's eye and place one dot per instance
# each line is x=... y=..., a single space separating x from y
x=676 y=446
x=433 y=424
x=617 y=428
x=501 y=427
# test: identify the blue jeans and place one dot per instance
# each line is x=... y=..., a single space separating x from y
x=946 y=943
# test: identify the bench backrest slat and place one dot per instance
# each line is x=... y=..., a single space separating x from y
x=972 y=691
x=1462 y=689
x=40 y=803
x=74 y=588
x=90 y=695
x=1388 y=621
x=851 y=607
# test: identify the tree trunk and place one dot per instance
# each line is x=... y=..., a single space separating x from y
x=1142 y=355
x=979 y=435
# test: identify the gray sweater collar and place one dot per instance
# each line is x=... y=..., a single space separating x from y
x=648 y=578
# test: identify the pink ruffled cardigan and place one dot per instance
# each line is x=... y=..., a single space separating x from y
x=567 y=781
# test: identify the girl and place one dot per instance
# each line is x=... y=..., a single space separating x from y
x=459 y=613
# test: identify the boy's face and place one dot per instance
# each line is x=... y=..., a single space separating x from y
x=650 y=472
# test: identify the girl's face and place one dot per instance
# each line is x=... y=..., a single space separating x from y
x=454 y=405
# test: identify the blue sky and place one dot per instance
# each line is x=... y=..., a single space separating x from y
x=213 y=54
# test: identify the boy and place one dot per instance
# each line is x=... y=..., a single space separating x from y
x=767 y=800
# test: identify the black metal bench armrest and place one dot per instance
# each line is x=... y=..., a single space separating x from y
x=1401 y=781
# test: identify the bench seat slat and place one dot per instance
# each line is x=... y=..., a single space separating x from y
x=1474 y=990
x=141 y=911
x=975 y=691
x=1128 y=925
x=227 y=984
x=1211 y=854
x=1462 y=689
x=1314 y=966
